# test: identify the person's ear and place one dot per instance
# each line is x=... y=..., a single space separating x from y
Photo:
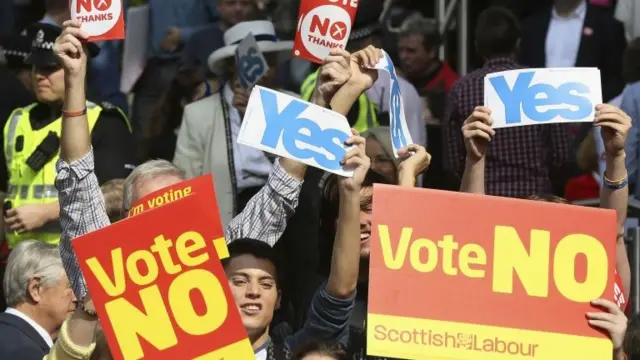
x=278 y=300
x=33 y=289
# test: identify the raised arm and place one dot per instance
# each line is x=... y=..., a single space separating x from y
x=362 y=77
x=415 y=160
x=75 y=141
x=334 y=72
x=331 y=306
x=477 y=134
x=614 y=128
x=345 y=260
x=266 y=214
x=82 y=208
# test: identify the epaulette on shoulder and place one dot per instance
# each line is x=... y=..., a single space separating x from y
x=107 y=105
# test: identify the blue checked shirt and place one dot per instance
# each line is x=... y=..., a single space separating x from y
x=82 y=210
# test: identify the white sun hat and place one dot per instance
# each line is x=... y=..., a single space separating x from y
x=262 y=30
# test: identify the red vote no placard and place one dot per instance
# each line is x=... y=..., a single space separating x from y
x=158 y=284
x=101 y=19
x=460 y=276
x=323 y=25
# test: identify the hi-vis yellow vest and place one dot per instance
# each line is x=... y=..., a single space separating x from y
x=25 y=185
x=367 y=117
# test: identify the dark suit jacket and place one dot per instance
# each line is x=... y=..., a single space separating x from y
x=603 y=48
x=19 y=340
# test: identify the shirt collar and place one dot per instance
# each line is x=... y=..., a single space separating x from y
x=577 y=13
x=227 y=93
x=264 y=346
x=499 y=62
x=45 y=335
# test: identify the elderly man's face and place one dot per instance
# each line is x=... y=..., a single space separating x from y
x=414 y=57
x=55 y=301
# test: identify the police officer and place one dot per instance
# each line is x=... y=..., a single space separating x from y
x=31 y=145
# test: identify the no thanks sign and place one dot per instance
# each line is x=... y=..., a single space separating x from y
x=102 y=19
x=323 y=25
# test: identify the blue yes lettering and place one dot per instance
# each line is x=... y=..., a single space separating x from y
x=288 y=125
x=564 y=101
x=397 y=135
x=250 y=67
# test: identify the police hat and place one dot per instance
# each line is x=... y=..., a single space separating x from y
x=42 y=37
x=367 y=20
x=16 y=48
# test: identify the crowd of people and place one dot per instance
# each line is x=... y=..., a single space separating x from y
x=78 y=153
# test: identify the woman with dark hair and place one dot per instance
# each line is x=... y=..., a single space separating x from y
x=160 y=134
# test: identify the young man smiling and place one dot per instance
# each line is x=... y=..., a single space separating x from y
x=253 y=271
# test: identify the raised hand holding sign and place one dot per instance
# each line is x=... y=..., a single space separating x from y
x=542 y=96
x=157 y=282
x=286 y=126
x=250 y=62
x=323 y=25
x=101 y=19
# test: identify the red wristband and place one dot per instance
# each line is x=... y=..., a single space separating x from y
x=78 y=113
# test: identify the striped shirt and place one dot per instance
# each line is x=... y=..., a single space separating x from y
x=82 y=210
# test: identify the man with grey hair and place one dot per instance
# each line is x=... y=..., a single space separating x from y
x=39 y=297
x=418 y=45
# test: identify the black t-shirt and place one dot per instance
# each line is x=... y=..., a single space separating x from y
x=113 y=144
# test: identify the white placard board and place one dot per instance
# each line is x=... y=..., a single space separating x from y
x=286 y=126
x=400 y=136
x=542 y=96
x=134 y=57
